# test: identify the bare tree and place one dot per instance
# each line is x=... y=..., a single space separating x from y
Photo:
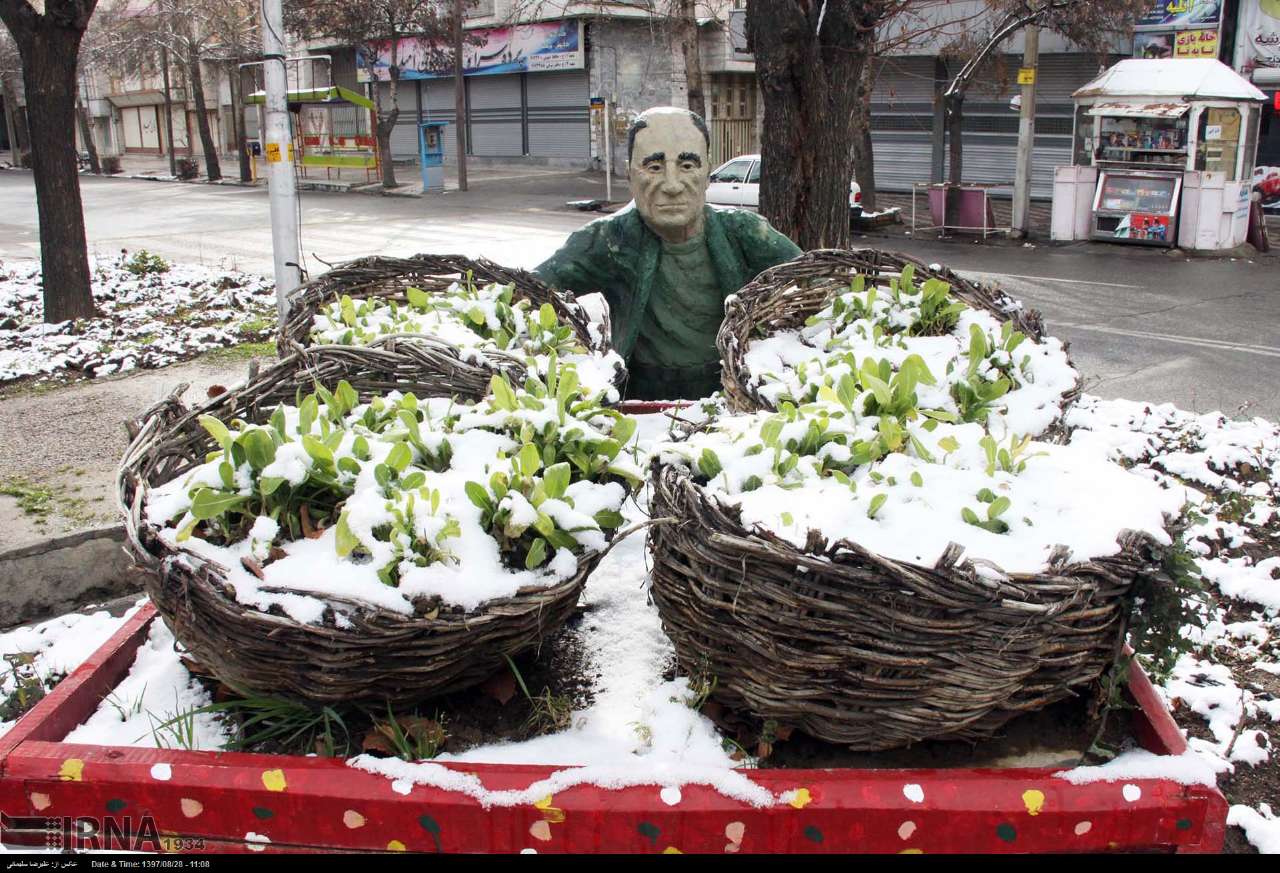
x=685 y=14
x=48 y=40
x=377 y=26
x=10 y=75
x=1091 y=24
x=238 y=39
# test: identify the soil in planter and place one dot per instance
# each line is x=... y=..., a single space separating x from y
x=559 y=679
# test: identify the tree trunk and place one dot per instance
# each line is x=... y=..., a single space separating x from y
x=864 y=160
x=955 y=155
x=21 y=141
x=82 y=118
x=213 y=169
x=459 y=96
x=168 y=110
x=387 y=123
x=688 y=24
x=809 y=111
x=237 y=122
x=49 y=70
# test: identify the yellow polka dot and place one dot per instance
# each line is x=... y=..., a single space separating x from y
x=1034 y=800
x=72 y=770
x=395 y=846
x=800 y=798
x=549 y=812
x=912 y=852
x=669 y=850
x=273 y=780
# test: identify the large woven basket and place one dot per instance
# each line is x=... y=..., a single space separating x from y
x=384 y=656
x=782 y=297
x=871 y=653
x=387 y=279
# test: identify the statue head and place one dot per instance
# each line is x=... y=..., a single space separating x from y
x=668 y=162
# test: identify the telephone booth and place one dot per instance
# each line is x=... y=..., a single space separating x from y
x=431 y=155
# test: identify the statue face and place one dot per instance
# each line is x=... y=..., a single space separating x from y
x=668 y=172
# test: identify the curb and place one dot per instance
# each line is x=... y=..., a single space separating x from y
x=62 y=574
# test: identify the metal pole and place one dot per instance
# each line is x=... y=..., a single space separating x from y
x=1026 y=133
x=608 y=152
x=278 y=149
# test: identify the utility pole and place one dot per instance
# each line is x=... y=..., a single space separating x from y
x=1026 y=133
x=459 y=94
x=282 y=191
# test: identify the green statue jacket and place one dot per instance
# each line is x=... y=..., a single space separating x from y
x=618 y=257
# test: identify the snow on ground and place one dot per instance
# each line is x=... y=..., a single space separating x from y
x=640 y=730
x=149 y=319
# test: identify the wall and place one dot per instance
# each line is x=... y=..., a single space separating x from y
x=634 y=62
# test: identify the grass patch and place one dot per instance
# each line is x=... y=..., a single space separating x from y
x=242 y=352
x=42 y=502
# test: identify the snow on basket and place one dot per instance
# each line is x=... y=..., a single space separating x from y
x=494 y=319
x=875 y=566
x=324 y=533
x=804 y=324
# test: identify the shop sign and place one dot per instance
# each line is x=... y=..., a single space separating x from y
x=1260 y=20
x=1177 y=14
x=520 y=48
x=1026 y=75
x=1195 y=44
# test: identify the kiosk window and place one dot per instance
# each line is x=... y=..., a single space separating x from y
x=1136 y=194
x=1219 y=141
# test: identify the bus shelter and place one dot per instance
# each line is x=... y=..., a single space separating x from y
x=333 y=130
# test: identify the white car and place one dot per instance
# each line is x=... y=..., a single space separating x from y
x=737 y=183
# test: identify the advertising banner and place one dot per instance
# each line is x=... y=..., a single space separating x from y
x=1177 y=14
x=1260 y=21
x=521 y=48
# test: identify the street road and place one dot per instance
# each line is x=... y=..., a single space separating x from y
x=1143 y=324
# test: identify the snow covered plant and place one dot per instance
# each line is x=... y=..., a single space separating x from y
x=469 y=317
x=400 y=498
x=969 y=365
x=906 y=488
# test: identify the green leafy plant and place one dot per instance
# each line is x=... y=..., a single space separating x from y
x=990 y=518
x=144 y=263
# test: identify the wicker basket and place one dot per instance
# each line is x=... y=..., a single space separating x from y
x=873 y=653
x=384 y=656
x=387 y=279
x=782 y=297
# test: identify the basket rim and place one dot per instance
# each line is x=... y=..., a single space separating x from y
x=152 y=554
x=780 y=283
x=835 y=553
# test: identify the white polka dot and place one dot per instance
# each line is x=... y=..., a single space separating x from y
x=913 y=792
x=1083 y=828
x=670 y=795
x=163 y=772
x=255 y=842
x=906 y=829
x=528 y=851
x=1131 y=793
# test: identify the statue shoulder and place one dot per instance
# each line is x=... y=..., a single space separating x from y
x=754 y=228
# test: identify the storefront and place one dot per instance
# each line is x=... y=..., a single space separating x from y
x=526 y=92
x=1163 y=155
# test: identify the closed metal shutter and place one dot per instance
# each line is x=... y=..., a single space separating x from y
x=902 y=122
x=559 y=115
x=438 y=105
x=497 y=128
x=404 y=136
x=991 y=124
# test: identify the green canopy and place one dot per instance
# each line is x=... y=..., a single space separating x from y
x=332 y=94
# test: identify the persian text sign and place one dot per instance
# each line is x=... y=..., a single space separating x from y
x=1166 y=14
x=521 y=48
x=1196 y=44
x=1260 y=20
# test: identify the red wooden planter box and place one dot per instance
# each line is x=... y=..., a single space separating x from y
x=212 y=801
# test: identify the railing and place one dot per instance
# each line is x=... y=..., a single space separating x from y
x=731 y=137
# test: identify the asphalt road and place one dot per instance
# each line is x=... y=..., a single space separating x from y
x=1143 y=324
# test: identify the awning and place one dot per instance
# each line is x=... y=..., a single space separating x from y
x=141 y=98
x=332 y=94
x=1142 y=110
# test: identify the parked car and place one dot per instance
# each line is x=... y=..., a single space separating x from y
x=737 y=183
